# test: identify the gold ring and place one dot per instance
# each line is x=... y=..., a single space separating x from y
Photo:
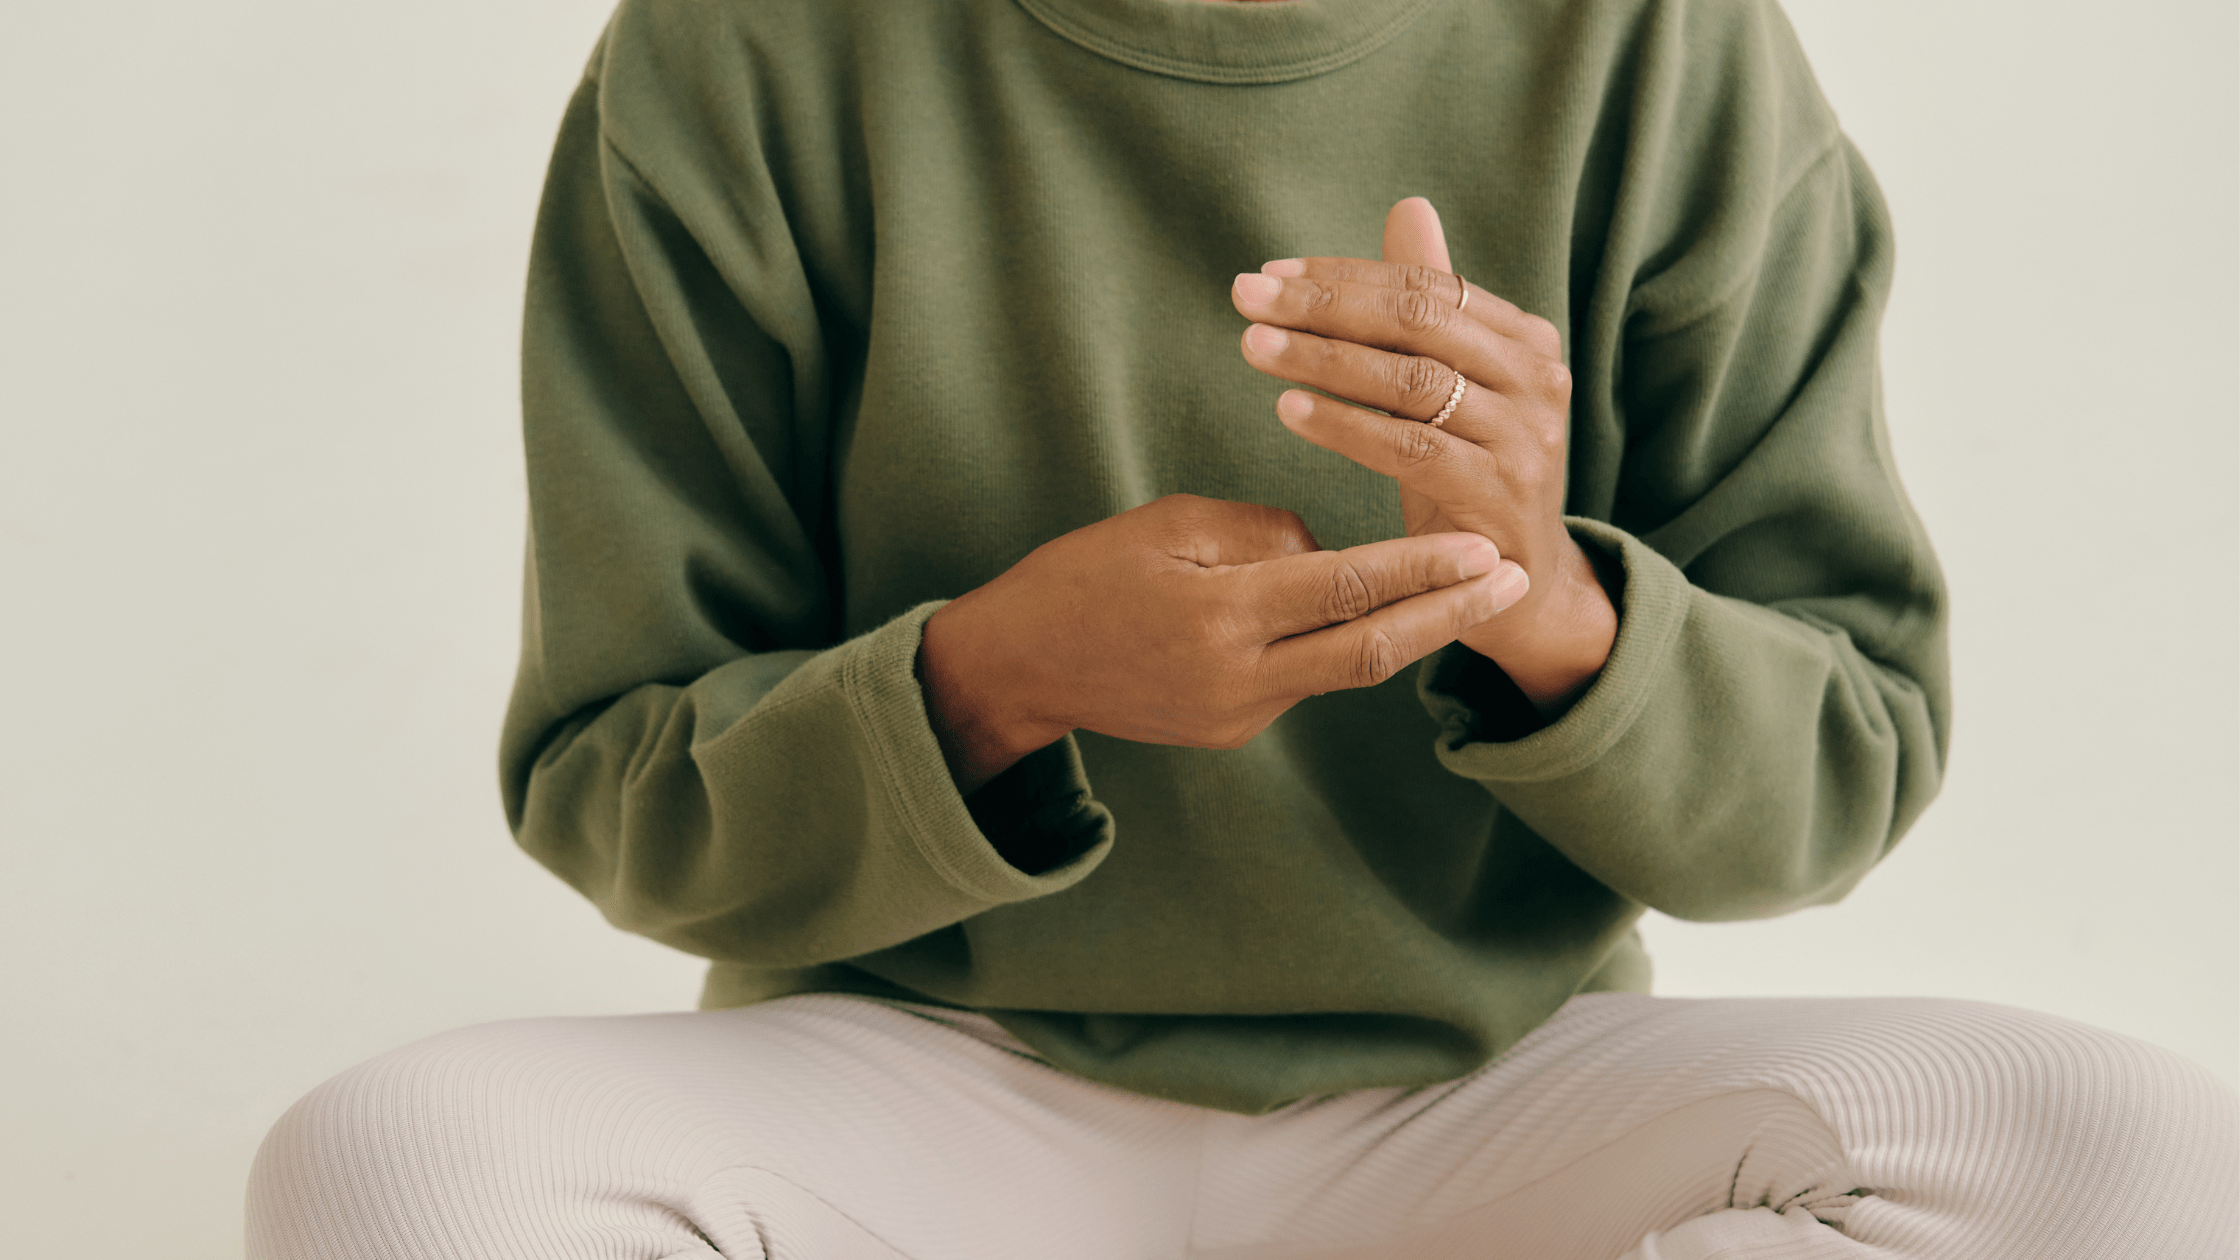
x=1454 y=400
x=1464 y=304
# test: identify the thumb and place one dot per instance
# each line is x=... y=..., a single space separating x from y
x=1412 y=235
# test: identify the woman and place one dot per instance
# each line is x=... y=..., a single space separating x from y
x=932 y=623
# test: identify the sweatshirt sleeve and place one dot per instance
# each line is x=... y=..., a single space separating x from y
x=1774 y=713
x=688 y=743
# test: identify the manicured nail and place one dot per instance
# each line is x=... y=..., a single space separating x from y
x=1257 y=290
x=1510 y=582
x=1284 y=267
x=1265 y=341
x=1294 y=405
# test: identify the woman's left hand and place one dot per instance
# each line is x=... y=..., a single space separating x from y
x=1392 y=335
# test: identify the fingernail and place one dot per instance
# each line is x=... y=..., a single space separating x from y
x=1257 y=290
x=1294 y=405
x=1265 y=341
x=1284 y=267
x=1510 y=582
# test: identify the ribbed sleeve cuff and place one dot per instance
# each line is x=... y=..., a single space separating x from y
x=879 y=679
x=1655 y=605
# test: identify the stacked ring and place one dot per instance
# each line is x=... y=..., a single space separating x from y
x=1454 y=400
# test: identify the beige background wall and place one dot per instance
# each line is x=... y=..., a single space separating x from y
x=260 y=518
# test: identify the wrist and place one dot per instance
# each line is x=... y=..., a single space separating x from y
x=974 y=703
x=1553 y=646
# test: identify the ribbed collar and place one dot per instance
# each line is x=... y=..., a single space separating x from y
x=1230 y=41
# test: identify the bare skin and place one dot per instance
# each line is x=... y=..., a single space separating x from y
x=1196 y=622
x=1391 y=335
x=1192 y=622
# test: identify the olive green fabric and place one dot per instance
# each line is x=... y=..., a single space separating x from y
x=838 y=308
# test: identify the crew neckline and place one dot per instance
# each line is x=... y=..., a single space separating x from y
x=1230 y=41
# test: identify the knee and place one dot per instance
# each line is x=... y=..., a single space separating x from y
x=2071 y=1092
x=2005 y=1132
x=371 y=1159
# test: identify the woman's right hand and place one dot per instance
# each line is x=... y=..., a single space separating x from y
x=1189 y=621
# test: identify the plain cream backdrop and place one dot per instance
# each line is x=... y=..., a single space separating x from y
x=260 y=519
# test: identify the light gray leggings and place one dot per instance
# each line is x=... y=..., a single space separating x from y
x=835 y=1128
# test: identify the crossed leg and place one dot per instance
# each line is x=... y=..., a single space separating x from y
x=809 y=1128
x=833 y=1128
x=1797 y=1129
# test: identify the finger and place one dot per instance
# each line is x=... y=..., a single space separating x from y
x=1412 y=235
x=1411 y=386
x=1484 y=308
x=1402 y=321
x=1368 y=650
x=1297 y=594
x=1449 y=468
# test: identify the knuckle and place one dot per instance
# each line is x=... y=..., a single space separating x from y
x=1375 y=659
x=1318 y=297
x=1421 y=382
x=1530 y=455
x=1419 y=444
x=1555 y=379
x=1287 y=529
x=1544 y=335
x=1552 y=433
x=1348 y=594
x=1419 y=312
x=1418 y=278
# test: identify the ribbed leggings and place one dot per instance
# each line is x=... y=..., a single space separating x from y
x=836 y=1128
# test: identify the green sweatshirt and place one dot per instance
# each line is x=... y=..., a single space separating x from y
x=838 y=308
